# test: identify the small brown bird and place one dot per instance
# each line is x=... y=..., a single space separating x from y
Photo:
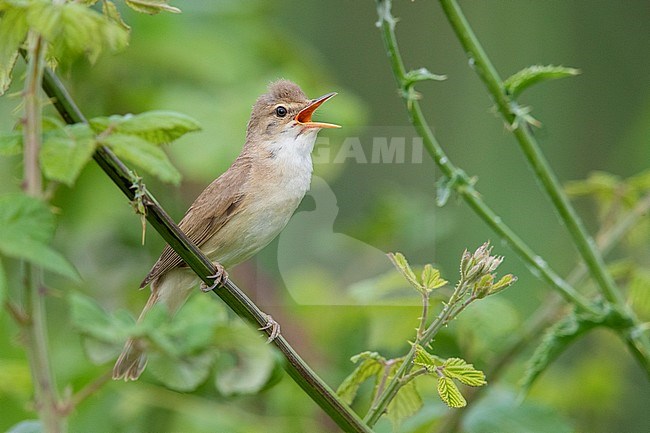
x=244 y=209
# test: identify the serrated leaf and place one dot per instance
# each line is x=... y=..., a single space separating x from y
x=73 y=28
x=525 y=78
x=157 y=126
x=45 y=18
x=407 y=402
x=26 y=228
x=27 y=426
x=13 y=30
x=143 y=153
x=431 y=278
x=110 y=10
x=556 y=340
x=370 y=366
x=449 y=393
x=11 y=143
x=457 y=368
x=425 y=359
x=91 y=32
x=151 y=7
x=505 y=282
x=404 y=268
x=65 y=153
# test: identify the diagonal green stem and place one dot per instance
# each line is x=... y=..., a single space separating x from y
x=124 y=178
x=462 y=183
x=533 y=153
x=638 y=342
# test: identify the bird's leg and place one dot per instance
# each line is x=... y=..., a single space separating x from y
x=220 y=277
x=273 y=325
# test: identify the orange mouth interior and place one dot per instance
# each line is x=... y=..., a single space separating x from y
x=304 y=116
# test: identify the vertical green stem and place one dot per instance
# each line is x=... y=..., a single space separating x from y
x=47 y=399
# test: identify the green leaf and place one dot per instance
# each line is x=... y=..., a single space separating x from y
x=422 y=74
x=110 y=10
x=25 y=216
x=39 y=254
x=183 y=374
x=407 y=402
x=91 y=31
x=64 y=154
x=45 y=18
x=193 y=327
x=403 y=266
x=457 y=368
x=92 y=320
x=28 y=426
x=151 y=7
x=13 y=30
x=143 y=153
x=505 y=282
x=250 y=366
x=154 y=126
x=449 y=393
x=525 y=78
x=556 y=340
x=425 y=359
x=11 y=143
x=371 y=365
x=73 y=28
x=431 y=278
x=26 y=228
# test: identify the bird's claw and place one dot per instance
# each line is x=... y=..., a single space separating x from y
x=219 y=278
x=274 y=326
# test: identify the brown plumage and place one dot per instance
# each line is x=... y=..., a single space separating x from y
x=243 y=209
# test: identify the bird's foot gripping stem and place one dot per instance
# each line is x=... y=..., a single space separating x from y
x=273 y=326
x=218 y=279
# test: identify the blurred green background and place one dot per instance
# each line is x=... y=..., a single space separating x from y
x=215 y=58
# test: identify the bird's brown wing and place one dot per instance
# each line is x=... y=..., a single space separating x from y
x=209 y=212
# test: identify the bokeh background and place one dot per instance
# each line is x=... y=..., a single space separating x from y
x=215 y=58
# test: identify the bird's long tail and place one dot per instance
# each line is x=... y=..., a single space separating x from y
x=172 y=290
x=133 y=359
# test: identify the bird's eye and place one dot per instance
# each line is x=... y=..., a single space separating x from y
x=280 y=111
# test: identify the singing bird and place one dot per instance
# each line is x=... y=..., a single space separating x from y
x=244 y=209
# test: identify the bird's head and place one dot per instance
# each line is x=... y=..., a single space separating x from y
x=285 y=112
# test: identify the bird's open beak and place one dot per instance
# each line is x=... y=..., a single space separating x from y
x=304 y=116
